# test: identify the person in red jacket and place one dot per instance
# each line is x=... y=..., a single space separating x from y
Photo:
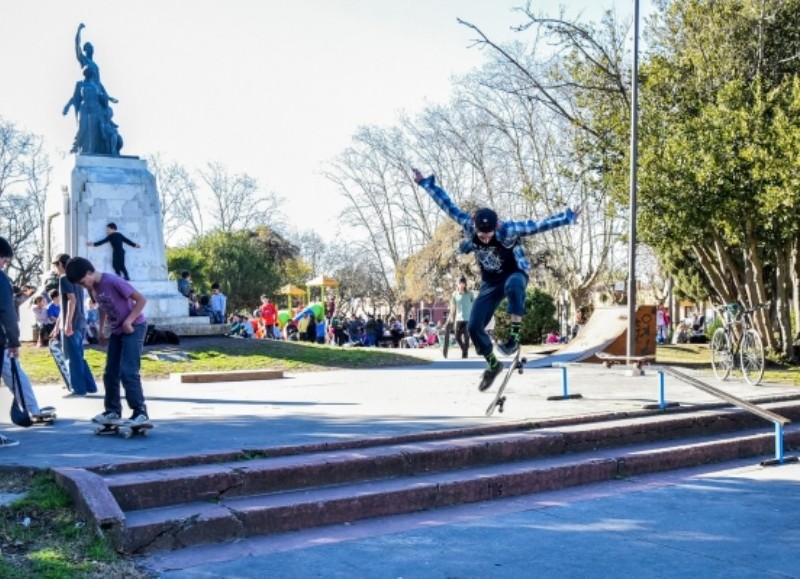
x=269 y=313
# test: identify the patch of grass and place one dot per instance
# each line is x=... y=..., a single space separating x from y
x=698 y=356
x=222 y=354
x=41 y=536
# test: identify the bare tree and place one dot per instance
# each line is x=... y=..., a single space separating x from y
x=236 y=200
x=24 y=178
x=180 y=207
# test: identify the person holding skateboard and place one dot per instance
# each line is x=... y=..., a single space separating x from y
x=121 y=307
x=460 y=310
x=504 y=267
x=71 y=325
x=116 y=239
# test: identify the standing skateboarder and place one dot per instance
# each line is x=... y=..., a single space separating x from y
x=121 y=307
x=116 y=239
x=498 y=249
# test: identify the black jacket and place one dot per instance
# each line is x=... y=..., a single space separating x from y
x=9 y=324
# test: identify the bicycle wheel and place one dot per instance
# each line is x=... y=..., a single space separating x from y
x=721 y=354
x=752 y=357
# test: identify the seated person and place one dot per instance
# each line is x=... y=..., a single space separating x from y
x=553 y=337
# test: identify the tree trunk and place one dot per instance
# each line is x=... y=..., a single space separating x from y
x=783 y=262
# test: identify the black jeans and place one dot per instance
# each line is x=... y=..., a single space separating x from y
x=462 y=337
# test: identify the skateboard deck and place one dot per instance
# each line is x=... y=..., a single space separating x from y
x=122 y=428
x=517 y=365
x=448 y=327
x=46 y=416
x=57 y=351
x=610 y=359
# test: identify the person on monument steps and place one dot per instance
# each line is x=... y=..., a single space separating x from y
x=116 y=239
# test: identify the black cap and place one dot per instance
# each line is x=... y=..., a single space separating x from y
x=485 y=220
x=462 y=279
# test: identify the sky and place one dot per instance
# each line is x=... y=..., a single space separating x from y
x=271 y=88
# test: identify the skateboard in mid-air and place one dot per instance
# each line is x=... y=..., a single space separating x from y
x=57 y=351
x=517 y=365
x=124 y=428
x=610 y=360
x=46 y=416
x=448 y=327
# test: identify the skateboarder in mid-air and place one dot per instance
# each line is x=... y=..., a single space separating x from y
x=116 y=239
x=497 y=246
x=121 y=307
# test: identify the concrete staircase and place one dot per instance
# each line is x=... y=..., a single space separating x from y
x=168 y=504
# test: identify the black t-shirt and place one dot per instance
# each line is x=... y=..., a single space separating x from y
x=496 y=261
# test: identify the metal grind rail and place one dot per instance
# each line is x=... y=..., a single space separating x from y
x=777 y=419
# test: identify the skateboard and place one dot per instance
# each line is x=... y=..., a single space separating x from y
x=57 y=351
x=610 y=360
x=123 y=428
x=517 y=365
x=448 y=327
x=46 y=416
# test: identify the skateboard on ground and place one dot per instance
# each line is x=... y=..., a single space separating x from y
x=57 y=351
x=448 y=327
x=46 y=416
x=610 y=360
x=517 y=365
x=123 y=428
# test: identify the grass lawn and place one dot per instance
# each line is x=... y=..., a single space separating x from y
x=222 y=353
x=698 y=356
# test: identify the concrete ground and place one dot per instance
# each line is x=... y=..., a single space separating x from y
x=730 y=520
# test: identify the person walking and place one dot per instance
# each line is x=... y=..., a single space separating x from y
x=460 y=310
x=504 y=267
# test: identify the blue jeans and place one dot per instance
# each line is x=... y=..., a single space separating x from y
x=80 y=376
x=484 y=306
x=123 y=361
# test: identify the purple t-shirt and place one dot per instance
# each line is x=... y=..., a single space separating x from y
x=113 y=297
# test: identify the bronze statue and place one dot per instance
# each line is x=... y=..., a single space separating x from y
x=97 y=133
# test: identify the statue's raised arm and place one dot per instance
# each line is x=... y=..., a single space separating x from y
x=78 y=50
x=85 y=56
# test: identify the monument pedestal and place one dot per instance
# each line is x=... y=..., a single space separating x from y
x=121 y=190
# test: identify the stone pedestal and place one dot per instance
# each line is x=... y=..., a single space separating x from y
x=122 y=190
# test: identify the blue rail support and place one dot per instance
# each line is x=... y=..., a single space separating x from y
x=564 y=384
x=776 y=419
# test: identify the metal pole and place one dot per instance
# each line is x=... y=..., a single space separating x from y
x=631 y=346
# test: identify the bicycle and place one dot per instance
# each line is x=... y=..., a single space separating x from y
x=749 y=348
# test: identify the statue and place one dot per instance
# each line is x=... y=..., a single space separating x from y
x=86 y=58
x=97 y=132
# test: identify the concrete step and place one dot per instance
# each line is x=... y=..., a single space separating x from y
x=147 y=509
x=180 y=526
x=163 y=486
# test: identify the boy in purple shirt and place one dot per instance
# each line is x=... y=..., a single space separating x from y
x=121 y=307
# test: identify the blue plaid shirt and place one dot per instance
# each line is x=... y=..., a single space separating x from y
x=509 y=232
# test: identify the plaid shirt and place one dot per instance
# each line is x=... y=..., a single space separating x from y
x=509 y=232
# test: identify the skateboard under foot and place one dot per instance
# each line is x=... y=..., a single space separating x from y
x=123 y=429
x=517 y=365
x=46 y=416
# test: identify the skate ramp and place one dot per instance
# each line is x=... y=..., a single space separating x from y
x=606 y=331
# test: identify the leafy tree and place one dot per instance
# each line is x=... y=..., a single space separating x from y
x=719 y=175
x=242 y=262
x=538 y=321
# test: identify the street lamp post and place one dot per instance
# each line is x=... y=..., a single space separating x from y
x=631 y=345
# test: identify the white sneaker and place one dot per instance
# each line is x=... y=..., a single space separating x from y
x=6 y=442
x=137 y=419
x=106 y=417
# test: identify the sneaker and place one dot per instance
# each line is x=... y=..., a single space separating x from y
x=106 y=417
x=489 y=375
x=6 y=442
x=509 y=347
x=138 y=417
